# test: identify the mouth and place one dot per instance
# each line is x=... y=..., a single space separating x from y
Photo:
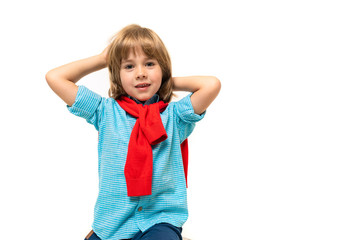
x=143 y=85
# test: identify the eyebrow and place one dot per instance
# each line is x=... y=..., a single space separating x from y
x=131 y=60
x=126 y=61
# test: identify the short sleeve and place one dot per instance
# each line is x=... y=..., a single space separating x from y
x=88 y=105
x=186 y=117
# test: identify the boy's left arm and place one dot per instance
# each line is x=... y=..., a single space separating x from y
x=204 y=88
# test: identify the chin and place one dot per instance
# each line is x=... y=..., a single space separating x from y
x=142 y=99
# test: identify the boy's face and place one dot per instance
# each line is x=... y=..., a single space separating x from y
x=140 y=76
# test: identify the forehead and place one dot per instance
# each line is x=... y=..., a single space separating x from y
x=138 y=45
x=135 y=52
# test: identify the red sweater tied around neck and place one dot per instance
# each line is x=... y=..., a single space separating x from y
x=148 y=130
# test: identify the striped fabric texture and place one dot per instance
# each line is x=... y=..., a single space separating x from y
x=117 y=216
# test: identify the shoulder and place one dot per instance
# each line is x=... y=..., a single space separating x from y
x=89 y=102
x=184 y=109
x=84 y=94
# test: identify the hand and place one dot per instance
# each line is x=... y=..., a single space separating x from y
x=104 y=55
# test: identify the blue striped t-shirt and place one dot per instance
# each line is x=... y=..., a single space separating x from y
x=117 y=216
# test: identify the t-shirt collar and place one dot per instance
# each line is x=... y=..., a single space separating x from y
x=153 y=99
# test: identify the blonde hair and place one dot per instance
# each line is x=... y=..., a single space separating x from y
x=129 y=38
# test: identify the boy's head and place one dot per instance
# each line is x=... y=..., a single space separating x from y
x=130 y=41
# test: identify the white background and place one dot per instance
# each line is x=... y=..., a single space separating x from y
x=276 y=157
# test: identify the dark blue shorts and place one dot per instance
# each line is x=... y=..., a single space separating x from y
x=161 y=231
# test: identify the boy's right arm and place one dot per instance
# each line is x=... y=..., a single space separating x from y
x=62 y=79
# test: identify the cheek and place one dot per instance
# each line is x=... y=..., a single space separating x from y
x=125 y=80
x=123 y=75
x=158 y=76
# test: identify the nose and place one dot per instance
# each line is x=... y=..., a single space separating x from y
x=141 y=73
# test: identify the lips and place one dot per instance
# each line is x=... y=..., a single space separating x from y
x=142 y=85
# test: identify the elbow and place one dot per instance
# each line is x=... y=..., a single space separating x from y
x=52 y=78
x=218 y=84
x=215 y=85
x=49 y=76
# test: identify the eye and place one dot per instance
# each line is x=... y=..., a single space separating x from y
x=129 y=66
x=150 y=64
